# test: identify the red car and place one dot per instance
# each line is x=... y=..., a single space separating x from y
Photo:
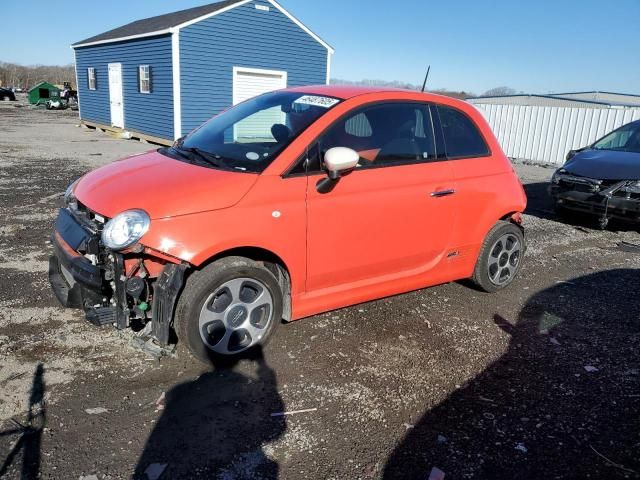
x=287 y=205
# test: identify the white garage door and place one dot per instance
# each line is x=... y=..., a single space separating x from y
x=249 y=83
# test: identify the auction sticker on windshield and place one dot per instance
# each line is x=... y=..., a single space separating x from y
x=317 y=101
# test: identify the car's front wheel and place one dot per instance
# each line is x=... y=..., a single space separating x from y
x=227 y=308
x=500 y=257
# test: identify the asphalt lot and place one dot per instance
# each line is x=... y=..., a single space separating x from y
x=539 y=381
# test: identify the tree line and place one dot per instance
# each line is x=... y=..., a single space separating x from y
x=397 y=84
x=26 y=76
x=463 y=95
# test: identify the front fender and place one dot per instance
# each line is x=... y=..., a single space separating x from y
x=199 y=237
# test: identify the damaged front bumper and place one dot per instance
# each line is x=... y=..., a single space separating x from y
x=606 y=200
x=130 y=288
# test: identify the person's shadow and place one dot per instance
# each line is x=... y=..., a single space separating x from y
x=563 y=401
x=30 y=433
x=216 y=427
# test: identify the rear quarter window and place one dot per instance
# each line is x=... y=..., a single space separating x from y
x=461 y=135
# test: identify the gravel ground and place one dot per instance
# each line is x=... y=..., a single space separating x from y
x=539 y=381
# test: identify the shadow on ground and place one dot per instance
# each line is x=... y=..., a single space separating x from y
x=562 y=402
x=539 y=203
x=28 y=445
x=216 y=426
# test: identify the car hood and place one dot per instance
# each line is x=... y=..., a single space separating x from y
x=161 y=186
x=605 y=165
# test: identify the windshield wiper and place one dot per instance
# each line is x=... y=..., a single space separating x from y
x=209 y=158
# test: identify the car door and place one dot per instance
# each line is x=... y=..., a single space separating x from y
x=390 y=217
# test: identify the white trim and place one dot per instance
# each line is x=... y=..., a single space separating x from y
x=123 y=39
x=212 y=14
x=302 y=26
x=329 y=57
x=204 y=17
x=75 y=65
x=177 y=98
x=262 y=71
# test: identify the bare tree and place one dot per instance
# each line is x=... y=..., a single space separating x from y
x=397 y=84
x=499 y=91
x=26 y=76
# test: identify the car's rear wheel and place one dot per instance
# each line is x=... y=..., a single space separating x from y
x=500 y=257
x=228 y=308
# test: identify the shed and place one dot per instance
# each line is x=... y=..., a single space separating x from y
x=543 y=128
x=161 y=77
x=42 y=92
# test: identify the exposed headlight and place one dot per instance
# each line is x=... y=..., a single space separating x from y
x=556 y=176
x=633 y=188
x=69 y=197
x=125 y=229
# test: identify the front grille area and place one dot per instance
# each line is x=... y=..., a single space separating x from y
x=589 y=185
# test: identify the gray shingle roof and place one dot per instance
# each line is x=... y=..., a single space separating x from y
x=159 y=23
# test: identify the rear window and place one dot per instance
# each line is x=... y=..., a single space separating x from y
x=461 y=136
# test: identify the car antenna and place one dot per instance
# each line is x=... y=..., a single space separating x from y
x=424 y=85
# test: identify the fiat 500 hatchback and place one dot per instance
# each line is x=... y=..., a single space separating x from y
x=289 y=204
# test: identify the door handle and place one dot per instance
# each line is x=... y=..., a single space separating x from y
x=443 y=193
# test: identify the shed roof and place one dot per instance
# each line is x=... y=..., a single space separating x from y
x=163 y=24
x=45 y=84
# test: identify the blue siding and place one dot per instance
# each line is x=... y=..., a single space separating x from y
x=152 y=113
x=242 y=37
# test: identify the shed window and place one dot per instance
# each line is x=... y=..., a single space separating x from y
x=91 y=78
x=144 y=75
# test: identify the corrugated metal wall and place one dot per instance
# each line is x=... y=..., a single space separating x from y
x=545 y=134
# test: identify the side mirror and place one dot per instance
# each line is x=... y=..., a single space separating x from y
x=340 y=159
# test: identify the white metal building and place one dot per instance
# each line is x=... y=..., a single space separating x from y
x=543 y=128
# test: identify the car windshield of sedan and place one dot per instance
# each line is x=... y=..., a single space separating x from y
x=624 y=139
x=249 y=136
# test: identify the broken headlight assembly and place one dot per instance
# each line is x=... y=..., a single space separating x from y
x=69 y=196
x=632 y=187
x=125 y=229
x=555 y=179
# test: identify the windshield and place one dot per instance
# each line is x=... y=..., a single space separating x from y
x=249 y=136
x=624 y=139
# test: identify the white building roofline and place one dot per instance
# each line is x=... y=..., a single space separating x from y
x=124 y=39
x=204 y=17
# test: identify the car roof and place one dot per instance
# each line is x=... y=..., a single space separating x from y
x=346 y=92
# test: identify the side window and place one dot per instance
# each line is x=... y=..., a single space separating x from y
x=144 y=79
x=461 y=136
x=384 y=135
x=91 y=78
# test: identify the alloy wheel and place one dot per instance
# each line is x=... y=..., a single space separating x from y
x=504 y=258
x=236 y=316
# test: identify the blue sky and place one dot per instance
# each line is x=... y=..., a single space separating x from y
x=537 y=46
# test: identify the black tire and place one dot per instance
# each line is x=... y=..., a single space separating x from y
x=481 y=275
x=201 y=284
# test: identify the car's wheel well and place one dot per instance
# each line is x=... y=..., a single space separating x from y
x=272 y=262
x=513 y=217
